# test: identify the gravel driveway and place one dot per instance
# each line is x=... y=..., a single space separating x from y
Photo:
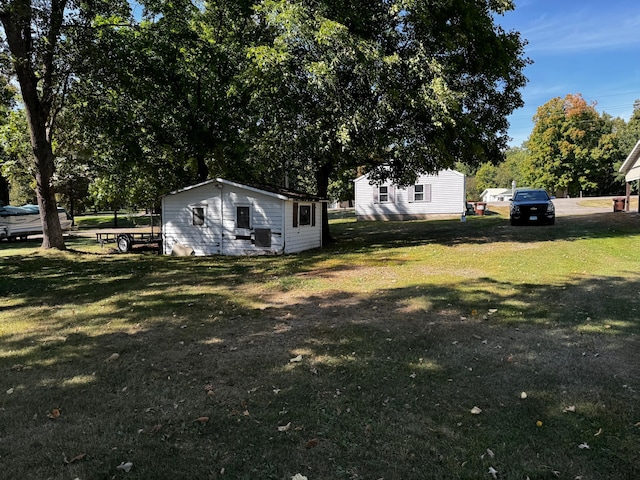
x=571 y=206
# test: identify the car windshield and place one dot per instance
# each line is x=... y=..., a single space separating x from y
x=533 y=195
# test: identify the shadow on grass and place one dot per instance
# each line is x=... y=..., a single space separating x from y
x=365 y=236
x=384 y=385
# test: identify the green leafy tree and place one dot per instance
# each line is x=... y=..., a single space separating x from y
x=513 y=168
x=7 y=101
x=400 y=88
x=486 y=177
x=163 y=110
x=18 y=161
x=572 y=148
x=41 y=38
x=629 y=132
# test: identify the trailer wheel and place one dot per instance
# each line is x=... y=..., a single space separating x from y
x=124 y=243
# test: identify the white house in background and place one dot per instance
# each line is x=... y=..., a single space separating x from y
x=220 y=217
x=496 y=195
x=432 y=195
x=631 y=169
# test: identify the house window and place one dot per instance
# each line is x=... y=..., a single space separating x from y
x=243 y=217
x=305 y=215
x=198 y=215
x=383 y=194
x=420 y=193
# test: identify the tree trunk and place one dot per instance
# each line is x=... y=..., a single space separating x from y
x=322 y=184
x=16 y=18
x=51 y=231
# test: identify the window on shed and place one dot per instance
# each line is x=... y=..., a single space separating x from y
x=243 y=217
x=305 y=215
x=198 y=215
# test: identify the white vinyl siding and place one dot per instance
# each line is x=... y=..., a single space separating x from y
x=442 y=194
x=226 y=208
x=178 y=219
x=302 y=237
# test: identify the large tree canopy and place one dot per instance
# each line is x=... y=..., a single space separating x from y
x=413 y=86
x=162 y=110
x=400 y=88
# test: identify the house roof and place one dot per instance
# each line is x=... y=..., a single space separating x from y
x=278 y=192
x=495 y=191
x=631 y=166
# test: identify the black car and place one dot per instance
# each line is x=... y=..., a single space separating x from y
x=532 y=205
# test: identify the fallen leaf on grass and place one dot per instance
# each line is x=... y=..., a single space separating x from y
x=493 y=472
x=75 y=459
x=476 y=411
x=296 y=359
x=571 y=408
x=539 y=423
x=202 y=420
x=312 y=443
x=490 y=453
x=284 y=428
x=583 y=446
x=55 y=413
x=10 y=391
x=523 y=395
x=126 y=467
x=113 y=357
x=299 y=476
x=598 y=433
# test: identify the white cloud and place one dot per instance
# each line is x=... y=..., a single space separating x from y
x=583 y=31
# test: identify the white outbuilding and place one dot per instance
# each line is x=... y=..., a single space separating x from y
x=221 y=217
x=631 y=170
x=432 y=196
x=496 y=195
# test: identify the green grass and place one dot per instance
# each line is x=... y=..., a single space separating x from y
x=107 y=220
x=402 y=328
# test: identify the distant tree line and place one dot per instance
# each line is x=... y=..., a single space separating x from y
x=573 y=150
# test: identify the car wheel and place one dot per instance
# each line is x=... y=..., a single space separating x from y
x=513 y=222
x=551 y=222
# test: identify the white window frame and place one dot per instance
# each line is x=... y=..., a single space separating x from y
x=389 y=195
x=420 y=197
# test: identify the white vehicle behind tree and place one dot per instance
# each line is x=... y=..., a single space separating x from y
x=17 y=223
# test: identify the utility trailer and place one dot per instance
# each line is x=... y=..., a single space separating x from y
x=127 y=241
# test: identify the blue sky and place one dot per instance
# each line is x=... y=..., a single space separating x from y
x=589 y=47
